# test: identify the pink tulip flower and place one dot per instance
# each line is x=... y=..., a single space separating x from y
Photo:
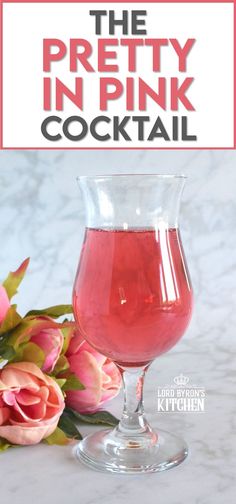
x=50 y=340
x=31 y=404
x=99 y=375
x=4 y=303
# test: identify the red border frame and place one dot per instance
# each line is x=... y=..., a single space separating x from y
x=111 y=148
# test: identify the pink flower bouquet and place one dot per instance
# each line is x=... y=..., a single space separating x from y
x=50 y=378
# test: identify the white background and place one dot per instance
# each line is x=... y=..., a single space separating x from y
x=210 y=62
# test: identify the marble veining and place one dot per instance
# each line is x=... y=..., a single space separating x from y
x=41 y=216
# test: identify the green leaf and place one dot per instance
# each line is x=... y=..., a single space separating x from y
x=30 y=352
x=68 y=333
x=12 y=320
x=57 y=438
x=4 y=445
x=61 y=365
x=59 y=381
x=52 y=311
x=100 y=417
x=7 y=353
x=72 y=383
x=14 y=279
x=21 y=333
x=67 y=425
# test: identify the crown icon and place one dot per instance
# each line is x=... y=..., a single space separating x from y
x=181 y=380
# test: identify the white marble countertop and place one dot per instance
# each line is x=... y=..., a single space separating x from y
x=51 y=474
x=41 y=216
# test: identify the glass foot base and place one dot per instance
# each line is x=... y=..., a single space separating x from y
x=103 y=452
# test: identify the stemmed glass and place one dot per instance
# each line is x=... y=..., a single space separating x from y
x=132 y=301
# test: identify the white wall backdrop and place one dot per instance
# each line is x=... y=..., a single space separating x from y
x=41 y=216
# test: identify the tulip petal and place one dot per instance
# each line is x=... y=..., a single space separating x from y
x=26 y=398
x=101 y=359
x=75 y=344
x=9 y=397
x=26 y=435
x=109 y=394
x=51 y=342
x=98 y=374
x=25 y=369
x=17 y=379
x=4 y=415
x=4 y=303
x=43 y=393
x=84 y=365
x=106 y=380
x=32 y=413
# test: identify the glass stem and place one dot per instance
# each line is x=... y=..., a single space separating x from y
x=133 y=420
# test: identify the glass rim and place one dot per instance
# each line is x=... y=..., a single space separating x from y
x=120 y=175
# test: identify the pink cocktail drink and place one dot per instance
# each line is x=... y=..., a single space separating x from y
x=132 y=294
